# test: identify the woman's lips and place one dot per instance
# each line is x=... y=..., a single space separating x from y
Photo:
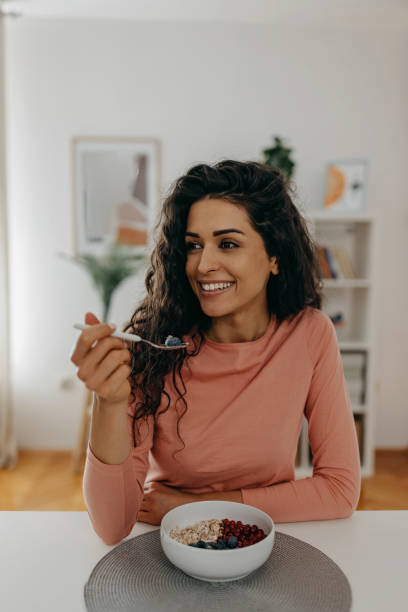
x=214 y=292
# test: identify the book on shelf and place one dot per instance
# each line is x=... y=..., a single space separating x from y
x=324 y=264
x=344 y=262
x=335 y=262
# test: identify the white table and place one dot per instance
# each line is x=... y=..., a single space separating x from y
x=47 y=557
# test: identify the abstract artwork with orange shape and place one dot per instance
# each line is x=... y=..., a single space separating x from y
x=345 y=186
x=335 y=185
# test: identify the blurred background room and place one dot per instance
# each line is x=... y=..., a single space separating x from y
x=103 y=104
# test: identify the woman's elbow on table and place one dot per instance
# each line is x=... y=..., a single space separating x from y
x=113 y=536
x=338 y=509
x=347 y=512
x=349 y=506
x=111 y=541
x=339 y=497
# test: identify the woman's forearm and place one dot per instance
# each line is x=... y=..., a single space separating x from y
x=109 y=435
x=234 y=496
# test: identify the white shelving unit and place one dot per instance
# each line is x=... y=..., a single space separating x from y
x=355 y=299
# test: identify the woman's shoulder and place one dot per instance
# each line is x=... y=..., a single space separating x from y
x=310 y=320
x=320 y=330
x=316 y=318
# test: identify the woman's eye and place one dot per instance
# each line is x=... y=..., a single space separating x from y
x=190 y=245
x=228 y=242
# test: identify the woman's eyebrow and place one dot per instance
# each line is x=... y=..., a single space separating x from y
x=218 y=232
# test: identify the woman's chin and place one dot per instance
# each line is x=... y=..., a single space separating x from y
x=213 y=311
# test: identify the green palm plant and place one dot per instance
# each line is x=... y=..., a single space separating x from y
x=109 y=271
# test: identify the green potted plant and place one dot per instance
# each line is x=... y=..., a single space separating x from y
x=279 y=156
x=109 y=271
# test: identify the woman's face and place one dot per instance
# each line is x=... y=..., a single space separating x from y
x=223 y=248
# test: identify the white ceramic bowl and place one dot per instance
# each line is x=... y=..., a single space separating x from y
x=216 y=565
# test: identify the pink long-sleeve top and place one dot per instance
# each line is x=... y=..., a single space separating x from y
x=245 y=403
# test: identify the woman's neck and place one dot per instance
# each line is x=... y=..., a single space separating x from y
x=238 y=329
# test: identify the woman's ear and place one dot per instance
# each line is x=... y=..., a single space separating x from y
x=274 y=266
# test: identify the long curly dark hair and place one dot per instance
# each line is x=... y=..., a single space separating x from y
x=170 y=306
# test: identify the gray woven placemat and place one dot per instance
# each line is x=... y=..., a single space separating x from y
x=136 y=576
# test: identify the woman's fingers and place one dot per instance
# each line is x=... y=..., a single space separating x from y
x=102 y=361
x=113 y=383
x=87 y=339
x=91 y=319
x=101 y=375
x=97 y=355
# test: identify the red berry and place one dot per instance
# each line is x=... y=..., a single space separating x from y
x=245 y=533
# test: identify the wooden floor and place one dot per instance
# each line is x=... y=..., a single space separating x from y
x=43 y=480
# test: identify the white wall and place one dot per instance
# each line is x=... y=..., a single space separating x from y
x=207 y=91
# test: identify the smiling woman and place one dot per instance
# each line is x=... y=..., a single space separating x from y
x=235 y=274
x=230 y=222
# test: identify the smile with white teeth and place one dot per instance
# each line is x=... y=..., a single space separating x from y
x=215 y=286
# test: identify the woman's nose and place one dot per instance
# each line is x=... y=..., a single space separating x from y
x=208 y=261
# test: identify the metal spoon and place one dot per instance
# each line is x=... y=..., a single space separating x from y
x=134 y=338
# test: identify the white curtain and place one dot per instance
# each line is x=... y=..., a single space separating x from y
x=8 y=443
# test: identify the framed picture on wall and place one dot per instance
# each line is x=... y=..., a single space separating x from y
x=116 y=193
x=346 y=183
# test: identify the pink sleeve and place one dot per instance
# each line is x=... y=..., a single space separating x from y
x=334 y=489
x=113 y=493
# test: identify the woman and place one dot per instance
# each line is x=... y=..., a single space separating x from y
x=235 y=274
